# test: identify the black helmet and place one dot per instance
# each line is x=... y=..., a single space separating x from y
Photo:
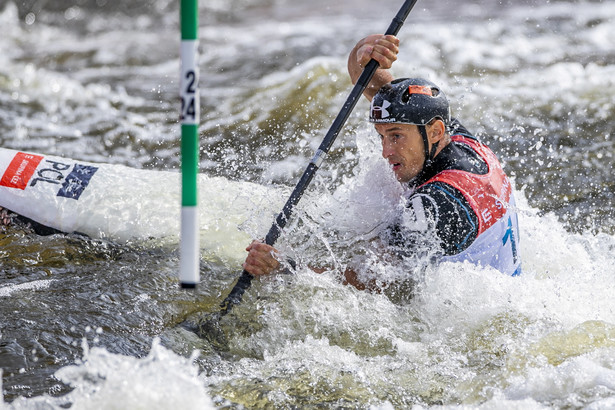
x=409 y=100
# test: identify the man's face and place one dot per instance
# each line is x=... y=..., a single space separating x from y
x=402 y=147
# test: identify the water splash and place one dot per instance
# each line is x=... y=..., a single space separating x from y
x=104 y=380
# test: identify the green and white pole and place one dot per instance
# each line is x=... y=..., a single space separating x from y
x=190 y=110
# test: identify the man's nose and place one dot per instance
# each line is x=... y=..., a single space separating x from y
x=387 y=148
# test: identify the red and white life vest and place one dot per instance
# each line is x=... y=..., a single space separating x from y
x=491 y=197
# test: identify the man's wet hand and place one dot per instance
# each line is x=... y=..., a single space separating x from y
x=261 y=260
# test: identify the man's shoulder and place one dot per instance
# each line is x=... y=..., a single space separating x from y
x=457 y=128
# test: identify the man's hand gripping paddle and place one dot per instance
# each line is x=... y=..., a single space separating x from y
x=210 y=328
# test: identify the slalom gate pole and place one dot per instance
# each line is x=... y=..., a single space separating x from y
x=245 y=279
x=190 y=115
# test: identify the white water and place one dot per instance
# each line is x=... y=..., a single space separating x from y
x=471 y=338
x=471 y=335
x=102 y=380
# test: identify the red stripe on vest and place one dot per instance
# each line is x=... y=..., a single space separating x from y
x=488 y=194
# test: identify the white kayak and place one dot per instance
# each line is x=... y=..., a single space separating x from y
x=124 y=204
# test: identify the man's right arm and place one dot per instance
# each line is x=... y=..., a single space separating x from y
x=263 y=260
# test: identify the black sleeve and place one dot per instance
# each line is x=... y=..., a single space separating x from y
x=437 y=221
x=456 y=127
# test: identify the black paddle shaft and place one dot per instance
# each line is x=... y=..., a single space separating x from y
x=280 y=222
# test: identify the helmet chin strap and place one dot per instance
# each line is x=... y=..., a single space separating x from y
x=429 y=155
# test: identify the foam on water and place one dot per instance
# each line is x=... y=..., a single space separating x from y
x=471 y=335
x=103 y=380
x=470 y=338
x=8 y=290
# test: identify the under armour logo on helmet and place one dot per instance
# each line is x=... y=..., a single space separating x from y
x=380 y=112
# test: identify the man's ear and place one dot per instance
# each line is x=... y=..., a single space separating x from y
x=436 y=131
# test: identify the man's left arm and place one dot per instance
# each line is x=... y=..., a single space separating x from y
x=379 y=47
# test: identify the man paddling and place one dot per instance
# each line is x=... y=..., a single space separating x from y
x=461 y=206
